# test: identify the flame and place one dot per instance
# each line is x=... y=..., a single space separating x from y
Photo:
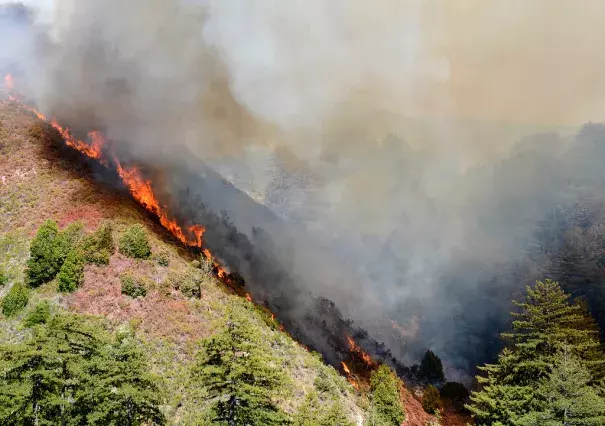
x=356 y=349
x=248 y=297
x=9 y=81
x=345 y=368
x=350 y=378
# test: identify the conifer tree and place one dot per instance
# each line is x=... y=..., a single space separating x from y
x=387 y=408
x=44 y=261
x=431 y=368
x=239 y=375
x=546 y=322
x=570 y=400
x=123 y=392
x=71 y=274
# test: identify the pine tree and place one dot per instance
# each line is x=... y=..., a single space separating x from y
x=387 y=408
x=545 y=323
x=44 y=261
x=570 y=400
x=431 y=368
x=123 y=392
x=68 y=239
x=39 y=375
x=239 y=375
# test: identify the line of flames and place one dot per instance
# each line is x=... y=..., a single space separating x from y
x=142 y=191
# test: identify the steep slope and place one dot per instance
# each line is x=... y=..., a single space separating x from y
x=40 y=179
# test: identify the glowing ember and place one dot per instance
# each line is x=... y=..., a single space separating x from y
x=248 y=297
x=345 y=368
x=9 y=81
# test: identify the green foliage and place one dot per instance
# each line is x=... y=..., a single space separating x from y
x=39 y=315
x=71 y=274
x=132 y=287
x=240 y=375
x=570 y=400
x=68 y=239
x=15 y=300
x=387 y=408
x=45 y=255
x=188 y=281
x=135 y=243
x=163 y=259
x=431 y=368
x=431 y=402
x=546 y=322
x=317 y=412
x=3 y=278
x=99 y=246
x=70 y=372
x=126 y=394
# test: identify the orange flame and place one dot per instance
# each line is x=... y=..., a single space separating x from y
x=350 y=378
x=345 y=368
x=356 y=349
x=9 y=81
x=248 y=297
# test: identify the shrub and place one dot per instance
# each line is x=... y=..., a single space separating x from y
x=188 y=282
x=163 y=259
x=430 y=400
x=44 y=261
x=68 y=239
x=15 y=300
x=3 y=278
x=135 y=243
x=99 y=246
x=387 y=408
x=39 y=315
x=71 y=274
x=131 y=287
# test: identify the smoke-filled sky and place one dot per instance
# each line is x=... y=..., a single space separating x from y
x=361 y=122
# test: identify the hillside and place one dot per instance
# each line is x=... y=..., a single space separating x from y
x=42 y=180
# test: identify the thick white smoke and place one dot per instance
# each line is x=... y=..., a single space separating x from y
x=360 y=122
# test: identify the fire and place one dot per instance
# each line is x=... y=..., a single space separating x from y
x=350 y=378
x=9 y=81
x=356 y=349
x=248 y=297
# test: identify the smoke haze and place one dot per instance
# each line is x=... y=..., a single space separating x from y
x=398 y=137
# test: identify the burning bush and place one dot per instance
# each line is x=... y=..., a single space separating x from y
x=135 y=243
x=132 y=287
x=15 y=301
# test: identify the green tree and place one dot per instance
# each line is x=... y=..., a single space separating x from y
x=431 y=368
x=570 y=400
x=239 y=375
x=45 y=257
x=135 y=243
x=546 y=322
x=387 y=408
x=125 y=394
x=15 y=300
x=40 y=374
x=71 y=274
x=431 y=402
x=131 y=287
